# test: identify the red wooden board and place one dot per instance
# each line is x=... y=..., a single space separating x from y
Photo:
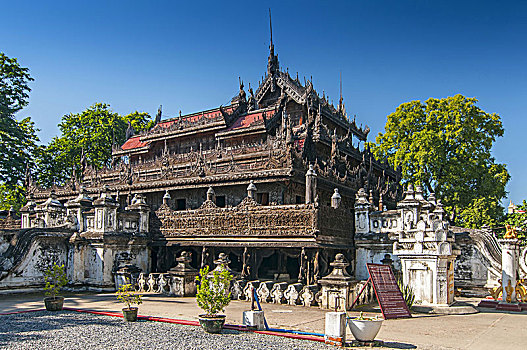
x=387 y=291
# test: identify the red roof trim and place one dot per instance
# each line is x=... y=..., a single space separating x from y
x=246 y=121
x=133 y=142
x=195 y=117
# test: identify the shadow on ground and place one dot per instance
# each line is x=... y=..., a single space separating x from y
x=24 y=326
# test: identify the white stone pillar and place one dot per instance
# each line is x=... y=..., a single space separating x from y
x=510 y=249
x=335 y=333
x=254 y=318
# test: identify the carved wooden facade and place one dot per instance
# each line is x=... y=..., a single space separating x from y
x=270 y=137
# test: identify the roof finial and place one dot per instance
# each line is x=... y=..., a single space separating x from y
x=271 y=47
x=340 y=86
x=272 y=64
x=158 y=115
x=341 y=106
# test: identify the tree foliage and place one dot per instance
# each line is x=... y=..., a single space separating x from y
x=445 y=145
x=518 y=219
x=86 y=140
x=55 y=278
x=14 y=89
x=213 y=291
x=128 y=296
x=18 y=139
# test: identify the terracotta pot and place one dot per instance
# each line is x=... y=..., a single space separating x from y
x=130 y=314
x=364 y=330
x=212 y=324
x=54 y=303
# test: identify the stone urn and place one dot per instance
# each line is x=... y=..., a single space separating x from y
x=54 y=303
x=364 y=329
x=212 y=324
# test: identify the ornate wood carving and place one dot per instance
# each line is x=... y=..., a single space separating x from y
x=246 y=219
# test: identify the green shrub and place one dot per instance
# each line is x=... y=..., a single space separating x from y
x=55 y=278
x=408 y=293
x=128 y=296
x=213 y=292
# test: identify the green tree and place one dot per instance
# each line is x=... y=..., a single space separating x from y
x=445 y=146
x=518 y=219
x=86 y=137
x=14 y=89
x=17 y=138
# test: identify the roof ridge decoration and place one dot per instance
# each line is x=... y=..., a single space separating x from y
x=272 y=63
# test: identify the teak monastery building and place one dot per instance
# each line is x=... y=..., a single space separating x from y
x=269 y=179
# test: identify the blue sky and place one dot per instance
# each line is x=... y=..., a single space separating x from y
x=187 y=56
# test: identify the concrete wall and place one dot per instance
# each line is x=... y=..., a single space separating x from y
x=373 y=254
x=90 y=262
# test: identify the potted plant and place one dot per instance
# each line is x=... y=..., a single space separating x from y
x=55 y=278
x=365 y=328
x=128 y=296
x=213 y=295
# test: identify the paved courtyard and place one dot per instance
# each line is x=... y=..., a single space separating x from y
x=488 y=329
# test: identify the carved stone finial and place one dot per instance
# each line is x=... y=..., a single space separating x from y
x=210 y=194
x=387 y=260
x=419 y=193
x=339 y=269
x=183 y=263
x=432 y=198
x=251 y=190
x=409 y=194
x=222 y=263
x=166 y=198
x=361 y=197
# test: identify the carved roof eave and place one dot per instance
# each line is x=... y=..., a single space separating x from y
x=358 y=156
x=108 y=177
x=351 y=152
x=237 y=110
x=206 y=181
x=300 y=96
x=286 y=84
x=290 y=88
x=218 y=125
x=243 y=241
x=345 y=124
x=253 y=130
x=206 y=111
x=262 y=89
x=139 y=150
x=272 y=175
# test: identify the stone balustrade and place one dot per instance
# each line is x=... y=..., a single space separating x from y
x=291 y=293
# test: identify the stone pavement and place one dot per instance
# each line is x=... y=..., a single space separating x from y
x=489 y=329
